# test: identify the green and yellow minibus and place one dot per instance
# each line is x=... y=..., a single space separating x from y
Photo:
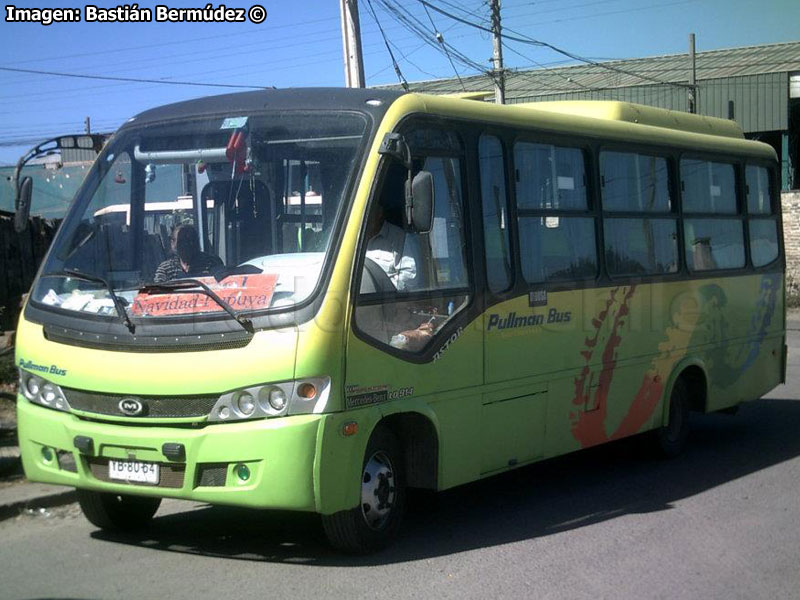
x=367 y=291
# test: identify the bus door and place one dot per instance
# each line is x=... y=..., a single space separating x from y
x=413 y=337
x=514 y=406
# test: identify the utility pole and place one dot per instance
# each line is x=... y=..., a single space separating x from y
x=497 y=55
x=87 y=124
x=351 y=42
x=692 y=77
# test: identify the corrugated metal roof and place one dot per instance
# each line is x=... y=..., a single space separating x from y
x=674 y=68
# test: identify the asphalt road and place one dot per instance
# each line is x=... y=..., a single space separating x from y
x=721 y=521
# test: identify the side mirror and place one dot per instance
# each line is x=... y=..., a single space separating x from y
x=23 y=205
x=420 y=202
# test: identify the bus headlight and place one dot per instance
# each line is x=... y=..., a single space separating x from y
x=303 y=396
x=42 y=392
x=30 y=385
x=245 y=404
x=277 y=398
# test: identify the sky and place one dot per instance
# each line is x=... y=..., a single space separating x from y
x=299 y=44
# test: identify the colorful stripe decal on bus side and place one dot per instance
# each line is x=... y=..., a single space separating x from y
x=723 y=366
x=589 y=426
x=762 y=317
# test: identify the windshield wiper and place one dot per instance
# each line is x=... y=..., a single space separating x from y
x=189 y=283
x=121 y=312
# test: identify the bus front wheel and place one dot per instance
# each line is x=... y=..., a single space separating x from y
x=117 y=512
x=671 y=437
x=374 y=523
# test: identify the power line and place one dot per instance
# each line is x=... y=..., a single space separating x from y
x=405 y=57
x=262 y=45
x=413 y=24
x=399 y=73
x=534 y=42
x=227 y=70
x=440 y=39
x=258 y=29
x=471 y=13
x=560 y=8
x=131 y=79
x=600 y=14
x=538 y=64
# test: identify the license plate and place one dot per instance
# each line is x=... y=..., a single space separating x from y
x=131 y=470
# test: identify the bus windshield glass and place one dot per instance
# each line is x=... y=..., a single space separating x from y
x=246 y=204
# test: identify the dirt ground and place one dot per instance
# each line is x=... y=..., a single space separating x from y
x=8 y=411
x=8 y=385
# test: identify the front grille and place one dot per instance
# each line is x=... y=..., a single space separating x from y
x=153 y=406
x=150 y=344
x=212 y=474
x=171 y=475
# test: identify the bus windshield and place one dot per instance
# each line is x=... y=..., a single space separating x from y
x=244 y=203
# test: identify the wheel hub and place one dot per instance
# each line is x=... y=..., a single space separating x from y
x=377 y=490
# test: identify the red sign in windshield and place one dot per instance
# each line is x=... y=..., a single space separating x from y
x=240 y=292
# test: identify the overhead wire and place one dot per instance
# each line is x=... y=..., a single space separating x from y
x=538 y=64
x=522 y=38
x=397 y=70
x=405 y=57
x=413 y=24
x=599 y=14
x=131 y=79
x=226 y=70
x=440 y=39
x=205 y=38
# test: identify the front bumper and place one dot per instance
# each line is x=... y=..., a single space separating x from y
x=280 y=454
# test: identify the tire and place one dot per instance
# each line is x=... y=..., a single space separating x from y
x=671 y=437
x=117 y=512
x=373 y=524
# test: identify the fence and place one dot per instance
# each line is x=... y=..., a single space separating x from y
x=20 y=255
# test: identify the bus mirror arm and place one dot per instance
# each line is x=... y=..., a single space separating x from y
x=22 y=204
x=23 y=189
x=395 y=145
x=419 y=187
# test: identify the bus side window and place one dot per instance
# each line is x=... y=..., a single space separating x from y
x=645 y=244
x=495 y=213
x=413 y=283
x=713 y=229
x=764 y=248
x=556 y=230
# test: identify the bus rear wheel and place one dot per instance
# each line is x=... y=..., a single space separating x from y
x=671 y=437
x=117 y=512
x=373 y=524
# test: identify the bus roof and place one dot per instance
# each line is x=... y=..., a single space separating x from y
x=288 y=99
x=629 y=112
x=600 y=120
x=603 y=119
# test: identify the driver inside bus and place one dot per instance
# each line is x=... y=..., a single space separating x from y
x=398 y=254
x=188 y=260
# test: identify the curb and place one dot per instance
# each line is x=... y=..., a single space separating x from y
x=13 y=509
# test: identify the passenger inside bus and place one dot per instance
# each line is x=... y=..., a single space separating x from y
x=188 y=260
